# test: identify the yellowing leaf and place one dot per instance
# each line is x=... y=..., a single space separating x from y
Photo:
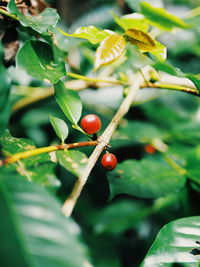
x=109 y=50
x=91 y=33
x=142 y=39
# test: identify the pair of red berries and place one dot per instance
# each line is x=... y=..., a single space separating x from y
x=91 y=124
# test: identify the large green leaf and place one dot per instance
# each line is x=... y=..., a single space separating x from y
x=110 y=49
x=37 y=59
x=60 y=127
x=74 y=161
x=69 y=101
x=33 y=230
x=160 y=18
x=38 y=168
x=41 y=23
x=91 y=33
x=176 y=244
x=148 y=178
x=4 y=94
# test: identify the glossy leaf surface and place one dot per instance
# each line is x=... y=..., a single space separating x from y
x=37 y=59
x=111 y=49
x=41 y=235
x=176 y=244
x=69 y=101
x=60 y=127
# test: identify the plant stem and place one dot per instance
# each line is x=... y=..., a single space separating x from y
x=94 y=80
x=174 y=165
x=103 y=141
x=173 y=87
x=4 y=12
x=37 y=151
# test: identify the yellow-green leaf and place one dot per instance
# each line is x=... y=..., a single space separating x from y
x=109 y=50
x=161 y=19
x=91 y=33
x=160 y=51
x=142 y=39
x=134 y=20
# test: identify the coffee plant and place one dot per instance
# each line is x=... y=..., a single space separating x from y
x=99 y=133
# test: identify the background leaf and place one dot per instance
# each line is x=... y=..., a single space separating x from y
x=134 y=20
x=109 y=50
x=42 y=236
x=91 y=33
x=41 y=23
x=37 y=59
x=74 y=161
x=174 y=244
x=60 y=127
x=148 y=178
x=69 y=101
x=160 y=18
x=5 y=85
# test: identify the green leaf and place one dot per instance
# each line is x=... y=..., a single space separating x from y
x=41 y=23
x=175 y=244
x=5 y=85
x=69 y=101
x=74 y=161
x=142 y=39
x=146 y=178
x=134 y=20
x=91 y=33
x=37 y=59
x=160 y=18
x=111 y=49
x=60 y=127
x=138 y=131
x=38 y=169
x=33 y=230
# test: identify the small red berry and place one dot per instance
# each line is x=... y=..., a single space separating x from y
x=109 y=161
x=149 y=149
x=91 y=124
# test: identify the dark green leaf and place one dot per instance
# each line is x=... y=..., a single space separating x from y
x=60 y=127
x=160 y=18
x=41 y=23
x=146 y=178
x=37 y=59
x=138 y=131
x=69 y=101
x=39 y=234
x=74 y=161
x=175 y=244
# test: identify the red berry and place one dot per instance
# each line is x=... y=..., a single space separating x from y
x=91 y=124
x=149 y=149
x=109 y=161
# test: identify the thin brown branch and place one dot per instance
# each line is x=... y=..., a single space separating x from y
x=137 y=81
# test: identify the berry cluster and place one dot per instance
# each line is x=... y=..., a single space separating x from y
x=91 y=124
